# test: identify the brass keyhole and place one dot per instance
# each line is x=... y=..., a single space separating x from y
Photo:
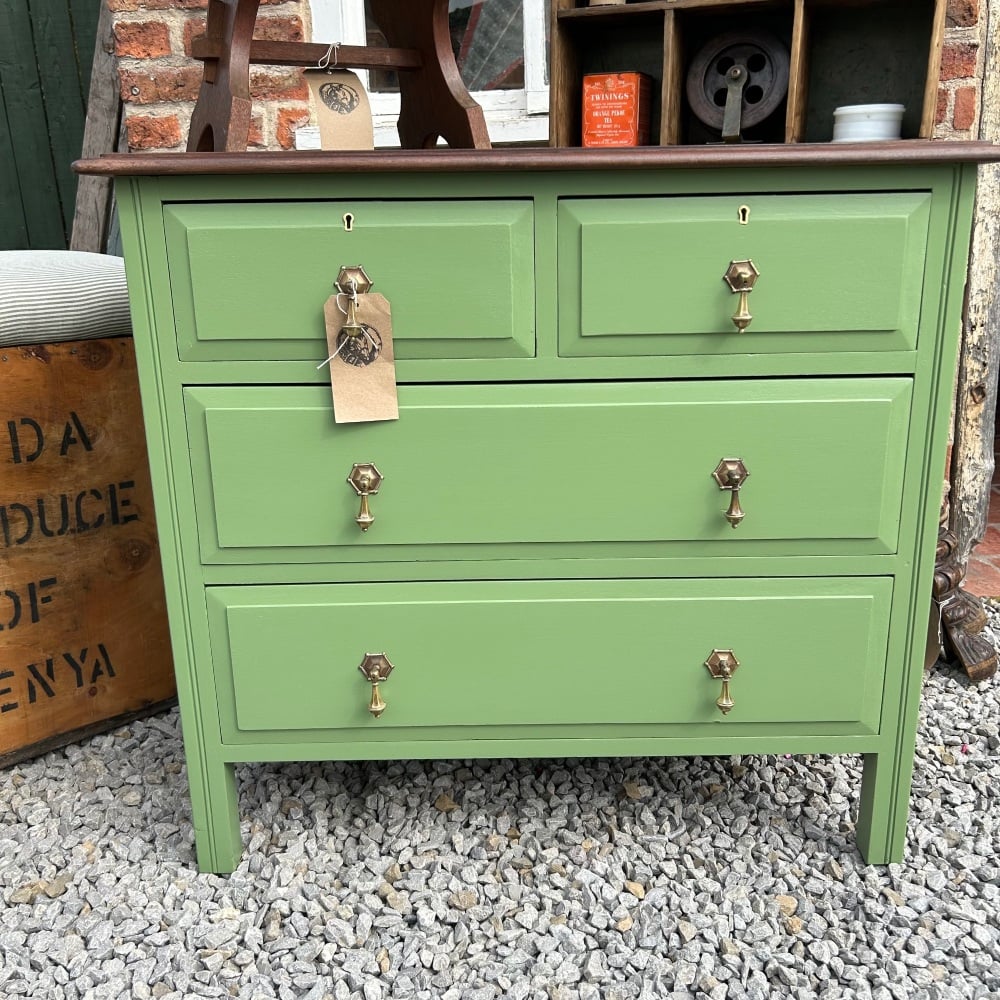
x=348 y=222
x=744 y=215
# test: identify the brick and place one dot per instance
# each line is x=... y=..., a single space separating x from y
x=150 y=132
x=127 y=6
x=167 y=84
x=271 y=29
x=142 y=39
x=279 y=29
x=941 y=114
x=271 y=86
x=963 y=13
x=982 y=578
x=193 y=27
x=959 y=60
x=993 y=517
x=290 y=119
x=966 y=105
x=990 y=545
x=255 y=137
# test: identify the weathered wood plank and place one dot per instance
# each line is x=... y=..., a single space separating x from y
x=63 y=99
x=22 y=87
x=86 y=15
x=14 y=232
x=933 y=70
x=976 y=399
x=93 y=196
x=798 y=79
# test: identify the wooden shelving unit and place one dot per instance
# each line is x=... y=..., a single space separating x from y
x=841 y=52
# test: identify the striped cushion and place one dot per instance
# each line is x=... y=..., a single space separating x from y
x=53 y=295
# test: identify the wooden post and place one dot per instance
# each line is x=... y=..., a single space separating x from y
x=93 y=194
x=976 y=402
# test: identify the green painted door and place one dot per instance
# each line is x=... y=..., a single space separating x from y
x=46 y=51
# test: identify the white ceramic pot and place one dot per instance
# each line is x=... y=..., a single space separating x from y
x=867 y=122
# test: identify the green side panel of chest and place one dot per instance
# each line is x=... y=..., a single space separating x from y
x=547 y=653
x=837 y=272
x=248 y=280
x=550 y=464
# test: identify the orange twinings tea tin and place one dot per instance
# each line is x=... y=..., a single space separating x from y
x=616 y=109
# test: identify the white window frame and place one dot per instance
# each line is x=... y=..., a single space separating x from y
x=511 y=115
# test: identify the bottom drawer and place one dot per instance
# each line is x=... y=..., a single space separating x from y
x=480 y=658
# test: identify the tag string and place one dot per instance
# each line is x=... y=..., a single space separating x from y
x=340 y=347
x=333 y=50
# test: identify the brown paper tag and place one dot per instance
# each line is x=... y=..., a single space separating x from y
x=343 y=113
x=363 y=372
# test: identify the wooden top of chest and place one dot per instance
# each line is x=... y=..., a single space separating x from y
x=543 y=159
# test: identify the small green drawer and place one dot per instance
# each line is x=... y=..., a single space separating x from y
x=519 y=655
x=546 y=464
x=248 y=280
x=644 y=276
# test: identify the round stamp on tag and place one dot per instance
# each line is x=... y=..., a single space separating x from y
x=359 y=350
x=339 y=97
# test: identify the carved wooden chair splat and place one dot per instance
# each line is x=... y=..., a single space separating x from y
x=434 y=101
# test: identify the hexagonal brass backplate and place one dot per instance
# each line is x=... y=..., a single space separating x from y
x=365 y=479
x=354 y=273
x=375 y=667
x=722 y=663
x=730 y=473
x=741 y=275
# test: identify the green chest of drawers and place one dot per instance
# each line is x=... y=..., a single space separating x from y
x=551 y=567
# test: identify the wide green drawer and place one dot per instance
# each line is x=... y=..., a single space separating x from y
x=248 y=279
x=508 y=465
x=521 y=655
x=838 y=272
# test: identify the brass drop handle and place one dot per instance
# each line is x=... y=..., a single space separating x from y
x=375 y=668
x=365 y=480
x=722 y=665
x=731 y=474
x=352 y=282
x=741 y=276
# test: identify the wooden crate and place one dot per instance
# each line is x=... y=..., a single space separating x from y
x=84 y=643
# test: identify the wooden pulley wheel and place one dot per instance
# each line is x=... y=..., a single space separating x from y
x=749 y=67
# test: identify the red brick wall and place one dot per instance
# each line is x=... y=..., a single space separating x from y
x=961 y=71
x=159 y=80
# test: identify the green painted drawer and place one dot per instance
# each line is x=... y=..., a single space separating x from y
x=519 y=655
x=248 y=280
x=498 y=465
x=643 y=276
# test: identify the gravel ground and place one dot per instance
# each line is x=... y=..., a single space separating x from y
x=721 y=877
